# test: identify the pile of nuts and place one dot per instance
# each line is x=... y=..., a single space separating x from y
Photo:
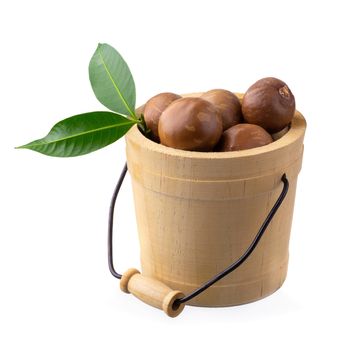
x=217 y=121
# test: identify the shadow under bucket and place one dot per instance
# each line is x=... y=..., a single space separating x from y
x=197 y=212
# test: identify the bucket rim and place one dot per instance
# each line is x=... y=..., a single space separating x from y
x=296 y=131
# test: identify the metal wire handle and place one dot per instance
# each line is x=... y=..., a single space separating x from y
x=220 y=275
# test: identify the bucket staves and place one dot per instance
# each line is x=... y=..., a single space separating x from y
x=197 y=212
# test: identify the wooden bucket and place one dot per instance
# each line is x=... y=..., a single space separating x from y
x=197 y=212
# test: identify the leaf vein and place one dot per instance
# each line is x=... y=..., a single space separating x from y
x=115 y=85
x=80 y=134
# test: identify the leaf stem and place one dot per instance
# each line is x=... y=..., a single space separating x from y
x=143 y=126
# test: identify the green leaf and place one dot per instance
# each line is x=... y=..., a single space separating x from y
x=82 y=134
x=112 y=81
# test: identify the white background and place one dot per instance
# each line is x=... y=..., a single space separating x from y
x=55 y=288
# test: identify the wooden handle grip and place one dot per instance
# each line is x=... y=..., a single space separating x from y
x=152 y=292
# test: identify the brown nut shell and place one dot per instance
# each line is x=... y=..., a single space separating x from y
x=269 y=103
x=243 y=136
x=227 y=104
x=191 y=124
x=154 y=108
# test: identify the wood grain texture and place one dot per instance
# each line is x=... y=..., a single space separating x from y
x=197 y=212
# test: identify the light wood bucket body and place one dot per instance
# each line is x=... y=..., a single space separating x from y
x=197 y=212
